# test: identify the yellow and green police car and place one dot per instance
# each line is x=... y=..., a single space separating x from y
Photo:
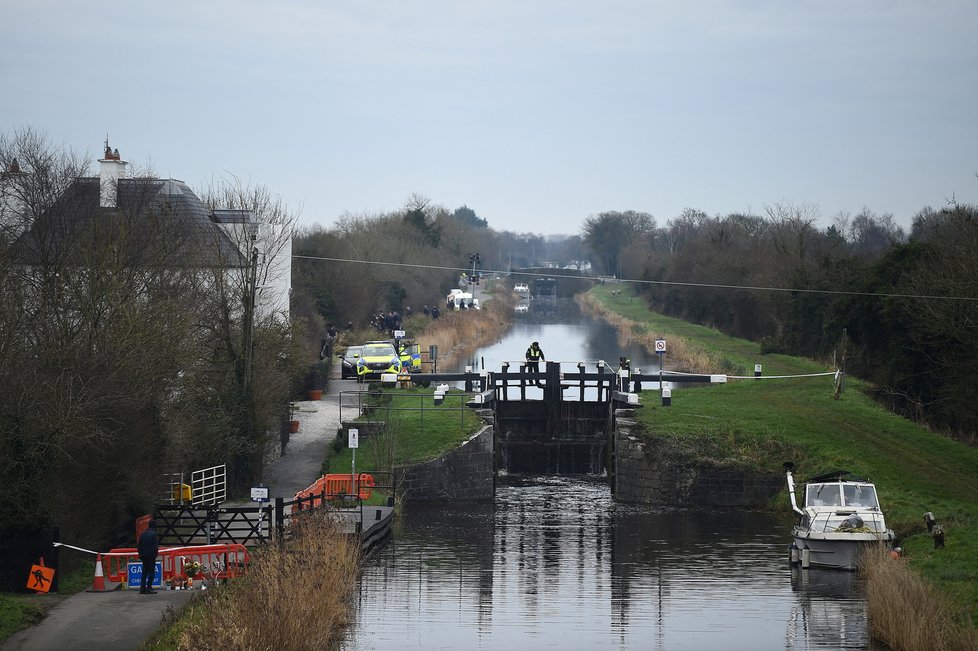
x=377 y=358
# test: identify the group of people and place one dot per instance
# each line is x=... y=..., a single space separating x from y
x=432 y=311
x=386 y=322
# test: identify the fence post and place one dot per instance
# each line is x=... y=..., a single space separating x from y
x=280 y=516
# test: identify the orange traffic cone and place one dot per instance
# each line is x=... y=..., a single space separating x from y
x=98 y=583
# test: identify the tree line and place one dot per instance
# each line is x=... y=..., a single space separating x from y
x=123 y=355
x=897 y=308
x=382 y=262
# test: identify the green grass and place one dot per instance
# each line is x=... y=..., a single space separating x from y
x=761 y=423
x=740 y=353
x=18 y=611
x=418 y=430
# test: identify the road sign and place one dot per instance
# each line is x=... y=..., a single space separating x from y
x=134 y=575
x=259 y=493
x=40 y=578
x=354 y=441
x=660 y=346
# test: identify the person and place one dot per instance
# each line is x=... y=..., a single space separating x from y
x=534 y=355
x=148 y=547
x=427 y=310
x=625 y=364
x=435 y=312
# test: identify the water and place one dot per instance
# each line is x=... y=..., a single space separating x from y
x=556 y=563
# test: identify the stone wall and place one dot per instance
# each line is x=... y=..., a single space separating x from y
x=465 y=473
x=648 y=471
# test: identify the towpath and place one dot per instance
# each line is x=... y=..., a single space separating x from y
x=123 y=620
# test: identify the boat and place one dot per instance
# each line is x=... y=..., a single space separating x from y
x=840 y=517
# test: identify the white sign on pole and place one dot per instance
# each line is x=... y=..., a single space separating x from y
x=400 y=334
x=354 y=441
x=259 y=493
x=660 y=345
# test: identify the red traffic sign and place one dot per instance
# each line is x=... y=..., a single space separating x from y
x=660 y=346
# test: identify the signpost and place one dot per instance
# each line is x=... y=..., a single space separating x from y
x=259 y=494
x=660 y=350
x=353 y=443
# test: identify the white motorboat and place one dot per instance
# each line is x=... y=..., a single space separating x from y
x=840 y=517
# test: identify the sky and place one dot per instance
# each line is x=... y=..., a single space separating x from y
x=535 y=114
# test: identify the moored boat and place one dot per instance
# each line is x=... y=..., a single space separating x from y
x=839 y=518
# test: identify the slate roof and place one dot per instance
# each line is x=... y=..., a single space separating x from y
x=159 y=220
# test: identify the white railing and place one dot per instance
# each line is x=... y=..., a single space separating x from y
x=208 y=485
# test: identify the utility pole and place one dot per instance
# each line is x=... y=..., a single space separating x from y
x=250 y=318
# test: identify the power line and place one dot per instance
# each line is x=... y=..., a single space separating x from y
x=673 y=283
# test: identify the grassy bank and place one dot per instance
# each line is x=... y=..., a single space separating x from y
x=416 y=430
x=295 y=596
x=757 y=422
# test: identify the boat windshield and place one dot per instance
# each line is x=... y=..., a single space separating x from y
x=860 y=495
x=823 y=495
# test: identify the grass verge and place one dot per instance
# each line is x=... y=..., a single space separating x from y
x=295 y=596
x=20 y=611
x=758 y=423
x=415 y=430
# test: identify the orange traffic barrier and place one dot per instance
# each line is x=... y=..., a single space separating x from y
x=334 y=485
x=220 y=561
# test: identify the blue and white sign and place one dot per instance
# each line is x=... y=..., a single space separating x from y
x=259 y=494
x=354 y=438
x=660 y=346
x=135 y=575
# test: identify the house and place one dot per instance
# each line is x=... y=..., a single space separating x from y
x=161 y=222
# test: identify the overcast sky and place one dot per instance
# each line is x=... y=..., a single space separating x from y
x=534 y=114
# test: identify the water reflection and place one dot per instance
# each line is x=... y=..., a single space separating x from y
x=554 y=562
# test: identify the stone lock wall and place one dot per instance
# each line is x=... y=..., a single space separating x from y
x=650 y=472
x=465 y=473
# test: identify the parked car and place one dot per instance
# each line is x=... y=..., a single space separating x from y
x=377 y=358
x=348 y=362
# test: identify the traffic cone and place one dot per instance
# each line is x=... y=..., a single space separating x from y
x=98 y=583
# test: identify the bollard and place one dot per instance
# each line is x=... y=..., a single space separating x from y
x=637 y=382
x=757 y=370
x=667 y=397
x=468 y=381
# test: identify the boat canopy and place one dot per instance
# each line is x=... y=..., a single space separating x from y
x=849 y=494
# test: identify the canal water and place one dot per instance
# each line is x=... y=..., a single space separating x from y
x=555 y=563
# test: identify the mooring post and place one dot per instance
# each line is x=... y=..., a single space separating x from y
x=522 y=381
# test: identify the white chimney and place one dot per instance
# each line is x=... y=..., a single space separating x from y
x=13 y=209
x=111 y=169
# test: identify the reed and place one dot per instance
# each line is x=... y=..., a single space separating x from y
x=458 y=333
x=295 y=596
x=909 y=613
x=683 y=355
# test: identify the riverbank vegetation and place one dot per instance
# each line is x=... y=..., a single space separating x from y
x=754 y=422
x=901 y=306
x=296 y=595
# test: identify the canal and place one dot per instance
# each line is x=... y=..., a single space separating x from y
x=555 y=562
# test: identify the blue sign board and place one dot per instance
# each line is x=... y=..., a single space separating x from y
x=135 y=575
